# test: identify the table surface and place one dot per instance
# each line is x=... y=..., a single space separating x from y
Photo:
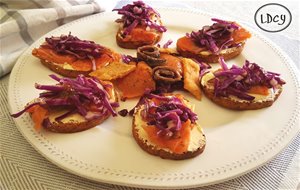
x=22 y=167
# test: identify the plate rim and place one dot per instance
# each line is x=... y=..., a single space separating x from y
x=288 y=62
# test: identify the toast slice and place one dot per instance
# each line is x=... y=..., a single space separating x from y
x=69 y=56
x=209 y=57
x=72 y=105
x=139 y=25
x=63 y=69
x=72 y=123
x=196 y=141
x=221 y=39
x=235 y=103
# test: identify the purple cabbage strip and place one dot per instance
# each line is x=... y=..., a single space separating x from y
x=168 y=43
x=18 y=114
x=55 y=77
x=128 y=58
x=223 y=64
x=203 y=66
x=49 y=87
x=231 y=24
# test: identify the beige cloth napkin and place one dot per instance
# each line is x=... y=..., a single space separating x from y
x=23 y=22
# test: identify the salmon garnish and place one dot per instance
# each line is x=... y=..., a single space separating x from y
x=262 y=90
x=38 y=114
x=178 y=144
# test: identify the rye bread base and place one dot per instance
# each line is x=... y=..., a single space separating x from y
x=213 y=58
x=72 y=127
x=156 y=151
x=237 y=105
x=76 y=126
x=57 y=68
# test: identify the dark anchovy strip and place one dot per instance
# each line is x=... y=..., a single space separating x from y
x=166 y=74
x=150 y=54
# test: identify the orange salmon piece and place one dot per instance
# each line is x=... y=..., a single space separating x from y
x=140 y=34
x=262 y=90
x=52 y=56
x=178 y=144
x=77 y=64
x=187 y=44
x=38 y=114
x=86 y=64
x=240 y=35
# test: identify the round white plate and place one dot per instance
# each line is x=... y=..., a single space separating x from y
x=237 y=141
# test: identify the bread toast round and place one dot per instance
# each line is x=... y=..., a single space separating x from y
x=208 y=57
x=66 y=69
x=142 y=140
x=73 y=122
x=238 y=104
x=74 y=125
x=59 y=69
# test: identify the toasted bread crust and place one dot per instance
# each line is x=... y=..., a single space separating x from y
x=213 y=58
x=58 y=68
x=135 y=44
x=238 y=105
x=72 y=127
x=157 y=151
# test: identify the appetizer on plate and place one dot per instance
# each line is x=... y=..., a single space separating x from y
x=70 y=56
x=140 y=25
x=166 y=126
x=223 y=38
x=72 y=105
x=242 y=88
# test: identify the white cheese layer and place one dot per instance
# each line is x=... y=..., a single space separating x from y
x=222 y=52
x=258 y=97
x=66 y=65
x=196 y=138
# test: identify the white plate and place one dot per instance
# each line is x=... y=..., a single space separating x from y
x=237 y=141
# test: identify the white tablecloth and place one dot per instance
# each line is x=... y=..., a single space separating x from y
x=22 y=167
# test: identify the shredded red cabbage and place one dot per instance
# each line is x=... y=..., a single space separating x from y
x=139 y=13
x=215 y=37
x=231 y=24
x=81 y=49
x=82 y=95
x=168 y=43
x=203 y=66
x=128 y=58
x=168 y=115
x=237 y=81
